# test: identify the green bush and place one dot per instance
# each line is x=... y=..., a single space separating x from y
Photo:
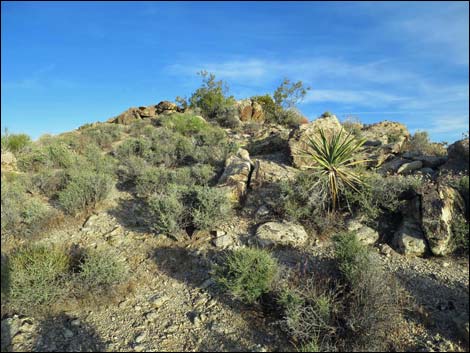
x=381 y=195
x=211 y=96
x=210 y=207
x=269 y=107
x=99 y=270
x=290 y=117
x=166 y=211
x=15 y=142
x=420 y=143
x=185 y=124
x=134 y=147
x=21 y=213
x=84 y=190
x=374 y=301
x=37 y=276
x=247 y=273
x=47 y=155
x=103 y=134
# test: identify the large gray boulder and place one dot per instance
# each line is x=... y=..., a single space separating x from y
x=281 y=233
x=409 y=238
x=366 y=235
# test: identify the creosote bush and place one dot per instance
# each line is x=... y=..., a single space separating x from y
x=14 y=142
x=247 y=273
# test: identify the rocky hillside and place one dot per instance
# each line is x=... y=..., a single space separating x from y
x=242 y=228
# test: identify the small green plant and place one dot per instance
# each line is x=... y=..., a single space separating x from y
x=352 y=256
x=247 y=273
x=333 y=158
x=460 y=241
x=420 y=143
x=37 y=275
x=288 y=94
x=185 y=124
x=99 y=270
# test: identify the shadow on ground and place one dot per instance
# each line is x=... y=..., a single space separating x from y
x=59 y=334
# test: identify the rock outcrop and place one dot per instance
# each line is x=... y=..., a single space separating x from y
x=236 y=174
x=458 y=154
x=439 y=204
x=249 y=110
x=149 y=112
x=366 y=235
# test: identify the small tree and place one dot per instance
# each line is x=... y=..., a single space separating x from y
x=211 y=96
x=288 y=94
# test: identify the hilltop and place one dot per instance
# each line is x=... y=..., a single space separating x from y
x=215 y=224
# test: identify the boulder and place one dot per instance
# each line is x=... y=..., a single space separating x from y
x=458 y=154
x=430 y=161
x=439 y=204
x=166 y=107
x=148 y=112
x=249 y=110
x=392 y=166
x=236 y=174
x=388 y=133
x=299 y=137
x=277 y=233
x=126 y=118
x=221 y=239
x=8 y=162
x=270 y=172
x=271 y=140
x=366 y=235
x=410 y=167
x=409 y=238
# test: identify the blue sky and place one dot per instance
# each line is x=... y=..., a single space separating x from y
x=66 y=64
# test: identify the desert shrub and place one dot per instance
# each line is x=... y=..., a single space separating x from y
x=460 y=241
x=290 y=117
x=269 y=107
x=288 y=94
x=134 y=147
x=99 y=270
x=103 y=134
x=209 y=207
x=310 y=309
x=228 y=117
x=382 y=195
x=155 y=179
x=131 y=168
x=185 y=124
x=21 y=213
x=140 y=127
x=93 y=158
x=50 y=154
x=202 y=174
x=353 y=126
x=166 y=211
x=37 y=275
x=211 y=96
x=15 y=142
x=247 y=273
x=373 y=298
x=84 y=190
x=421 y=144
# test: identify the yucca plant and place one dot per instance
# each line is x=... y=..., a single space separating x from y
x=333 y=158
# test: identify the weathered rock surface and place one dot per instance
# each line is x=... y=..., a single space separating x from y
x=271 y=140
x=299 y=137
x=277 y=233
x=409 y=238
x=236 y=174
x=410 y=167
x=439 y=204
x=387 y=133
x=366 y=235
x=250 y=110
x=458 y=154
x=166 y=107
